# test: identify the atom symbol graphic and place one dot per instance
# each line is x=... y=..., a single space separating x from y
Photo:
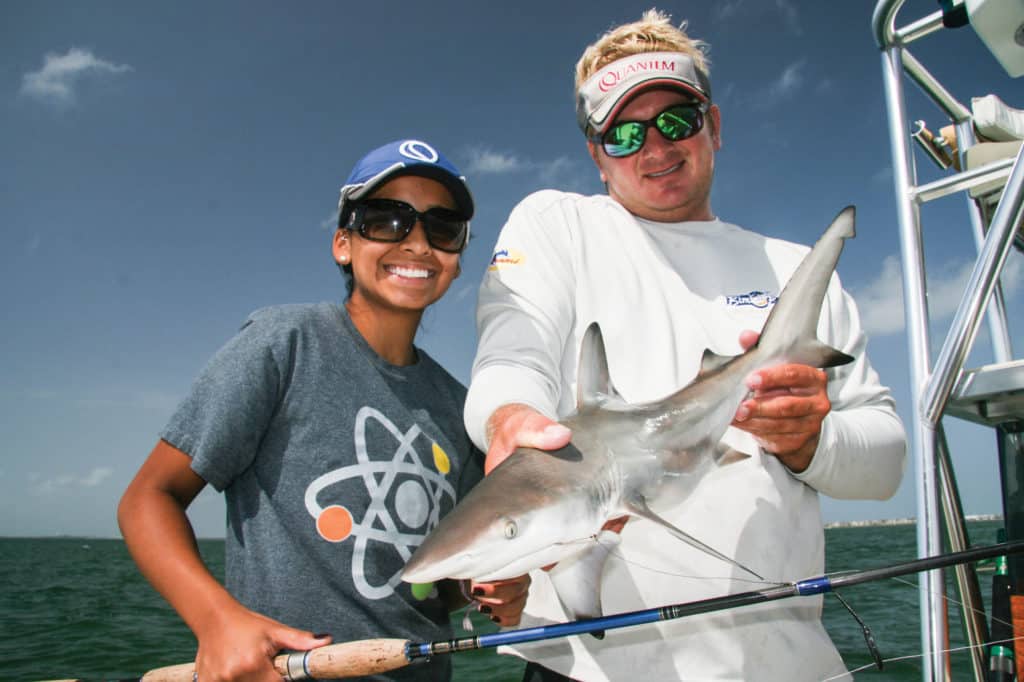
x=416 y=500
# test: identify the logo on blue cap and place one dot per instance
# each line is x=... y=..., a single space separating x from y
x=418 y=151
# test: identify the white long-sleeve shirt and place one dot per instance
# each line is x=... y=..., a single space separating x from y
x=663 y=293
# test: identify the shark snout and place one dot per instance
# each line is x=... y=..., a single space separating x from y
x=427 y=567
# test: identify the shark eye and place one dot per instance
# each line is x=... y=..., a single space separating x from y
x=511 y=530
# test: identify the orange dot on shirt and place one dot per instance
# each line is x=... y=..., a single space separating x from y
x=334 y=523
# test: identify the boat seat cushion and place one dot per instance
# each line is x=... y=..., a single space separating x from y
x=995 y=121
x=986 y=152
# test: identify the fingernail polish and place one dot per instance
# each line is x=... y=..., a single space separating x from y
x=478 y=591
x=484 y=609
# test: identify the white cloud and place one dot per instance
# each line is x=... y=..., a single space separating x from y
x=464 y=292
x=484 y=161
x=881 y=302
x=56 y=80
x=330 y=223
x=789 y=15
x=63 y=482
x=559 y=172
x=728 y=10
x=1013 y=274
x=791 y=78
x=784 y=87
x=95 y=477
x=882 y=176
x=550 y=172
x=789 y=81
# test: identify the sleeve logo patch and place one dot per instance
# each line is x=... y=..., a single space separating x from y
x=505 y=258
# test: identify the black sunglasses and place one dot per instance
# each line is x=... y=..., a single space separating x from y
x=675 y=123
x=390 y=220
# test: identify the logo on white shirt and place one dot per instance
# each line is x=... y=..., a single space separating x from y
x=757 y=299
x=505 y=257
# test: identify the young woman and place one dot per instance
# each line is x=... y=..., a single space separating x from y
x=337 y=443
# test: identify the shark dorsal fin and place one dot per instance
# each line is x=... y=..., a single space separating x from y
x=711 y=361
x=593 y=382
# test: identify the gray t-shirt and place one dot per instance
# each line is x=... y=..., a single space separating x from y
x=335 y=465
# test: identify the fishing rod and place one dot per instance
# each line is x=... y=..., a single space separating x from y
x=370 y=656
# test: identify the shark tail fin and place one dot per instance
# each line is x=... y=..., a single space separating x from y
x=638 y=507
x=848 y=222
x=818 y=354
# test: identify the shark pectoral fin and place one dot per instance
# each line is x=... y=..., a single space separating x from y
x=817 y=354
x=578 y=580
x=638 y=507
x=725 y=455
x=711 y=361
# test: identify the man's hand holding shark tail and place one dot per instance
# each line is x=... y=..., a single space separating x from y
x=785 y=409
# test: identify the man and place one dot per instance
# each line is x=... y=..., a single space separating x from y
x=666 y=279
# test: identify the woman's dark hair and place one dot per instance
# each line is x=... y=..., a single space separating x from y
x=346 y=272
x=346 y=269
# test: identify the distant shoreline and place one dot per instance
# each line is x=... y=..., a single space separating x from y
x=904 y=522
x=833 y=524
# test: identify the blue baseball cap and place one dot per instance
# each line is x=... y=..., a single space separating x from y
x=403 y=157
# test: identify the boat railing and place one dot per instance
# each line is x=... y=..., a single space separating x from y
x=992 y=395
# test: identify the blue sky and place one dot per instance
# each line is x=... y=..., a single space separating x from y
x=169 y=167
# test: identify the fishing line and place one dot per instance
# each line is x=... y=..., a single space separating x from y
x=909 y=657
x=959 y=603
x=612 y=551
x=878 y=662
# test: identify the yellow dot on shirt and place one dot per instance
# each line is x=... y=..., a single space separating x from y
x=441 y=461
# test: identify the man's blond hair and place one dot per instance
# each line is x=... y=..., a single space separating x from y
x=653 y=33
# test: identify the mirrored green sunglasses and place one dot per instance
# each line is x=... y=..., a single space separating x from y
x=675 y=123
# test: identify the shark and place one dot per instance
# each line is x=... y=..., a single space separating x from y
x=539 y=508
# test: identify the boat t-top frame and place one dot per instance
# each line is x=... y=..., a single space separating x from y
x=993 y=395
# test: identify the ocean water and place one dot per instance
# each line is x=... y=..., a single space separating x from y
x=78 y=608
